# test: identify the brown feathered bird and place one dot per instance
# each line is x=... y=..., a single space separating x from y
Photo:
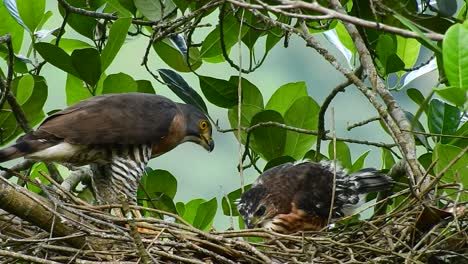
x=116 y=134
x=297 y=197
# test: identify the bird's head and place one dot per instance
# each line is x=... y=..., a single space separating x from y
x=255 y=207
x=198 y=127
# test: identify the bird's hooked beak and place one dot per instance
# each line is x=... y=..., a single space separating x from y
x=207 y=142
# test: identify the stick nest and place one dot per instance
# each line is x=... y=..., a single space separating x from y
x=416 y=232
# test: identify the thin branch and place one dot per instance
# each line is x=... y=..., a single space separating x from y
x=363 y=122
x=321 y=117
x=330 y=14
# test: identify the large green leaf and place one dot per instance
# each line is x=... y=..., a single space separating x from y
x=153 y=9
x=455 y=55
x=303 y=113
x=359 y=163
x=444 y=154
x=82 y=24
x=443 y=118
x=87 y=63
x=343 y=154
x=69 y=45
x=119 y=83
x=56 y=56
x=156 y=182
x=387 y=159
x=462 y=131
x=172 y=56
x=190 y=209
x=145 y=86
x=453 y=94
x=252 y=103
x=219 y=92
x=247 y=113
x=408 y=51
x=31 y=12
x=417 y=127
x=36 y=176
x=285 y=96
x=180 y=87
x=211 y=46
x=117 y=35
x=9 y=25
x=75 y=90
x=25 y=89
x=278 y=161
x=268 y=142
x=205 y=214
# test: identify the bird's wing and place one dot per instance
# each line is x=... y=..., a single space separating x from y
x=112 y=119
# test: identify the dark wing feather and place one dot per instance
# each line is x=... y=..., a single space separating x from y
x=132 y=118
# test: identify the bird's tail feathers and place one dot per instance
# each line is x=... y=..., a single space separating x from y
x=23 y=148
x=370 y=180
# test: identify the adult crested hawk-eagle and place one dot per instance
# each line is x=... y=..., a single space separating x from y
x=116 y=134
x=297 y=197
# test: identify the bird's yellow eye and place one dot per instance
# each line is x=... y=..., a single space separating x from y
x=203 y=125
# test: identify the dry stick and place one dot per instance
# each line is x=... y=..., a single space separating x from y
x=363 y=122
x=24 y=257
x=5 y=86
x=239 y=104
x=323 y=109
x=332 y=202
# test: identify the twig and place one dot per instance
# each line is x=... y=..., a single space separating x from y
x=363 y=122
x=321 y=117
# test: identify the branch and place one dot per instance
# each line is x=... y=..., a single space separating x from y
x=331 y=14
x=323 y=110
x=397 y=119
x=362 y=123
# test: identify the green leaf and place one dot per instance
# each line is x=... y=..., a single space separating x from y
x=44 y=19
x=153 y=9
x=69 y=45
x=35 y=175
x=387 y=159
x=359 y=163
x=268 y=142
x=443 y=118
x=129 y=5
x=228 y=205
x=211 y=46
x=145 y=86
x=161 y=187
x=310 y=155
x=278 y=161
x=285 y=96
x=171 y=55
x=343 y=154
x=191 y=208
x=455 y=55
x=205 y=214
x=31 y=12
x=251 y=95
x=115 y=7
x=75 y=90
x=56 y=56
x=25 y=89
x=417 y=127
x=462 y=131
x=88 y=65
x=119 y=83
x=9 y=25
x=452 y=94
x=407 y=51
x=345 y=38
x=179 y=86
x=415 y=29
x=303 y=113
x=180 y=207
x=82 y=24
x=219 y=92
x=117 y=35
x=444 y=154
x=248 y=112
x=416 y=96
